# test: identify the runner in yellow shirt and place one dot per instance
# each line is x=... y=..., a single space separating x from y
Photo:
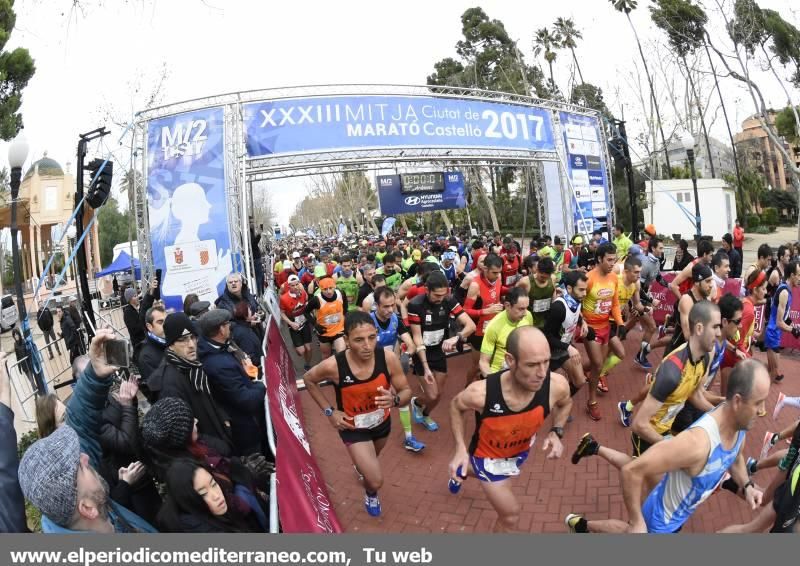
x=493 y=347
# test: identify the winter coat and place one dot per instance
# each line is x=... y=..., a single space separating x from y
x=242 y=398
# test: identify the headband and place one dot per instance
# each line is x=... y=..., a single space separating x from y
x=758 y=281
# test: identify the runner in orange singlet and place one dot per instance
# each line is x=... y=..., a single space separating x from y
x=600 y=305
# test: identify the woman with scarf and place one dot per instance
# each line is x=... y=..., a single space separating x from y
x=170 y=433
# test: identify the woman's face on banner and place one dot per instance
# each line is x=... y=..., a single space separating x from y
x=189 y=203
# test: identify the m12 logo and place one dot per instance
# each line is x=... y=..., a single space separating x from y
x=183 y=139
x=453 y=178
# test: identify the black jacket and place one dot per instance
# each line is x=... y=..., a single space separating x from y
x=44 y=318
x=119 y=439
x=69 y=332
x=228 y=301
x=169 y=381
x=75 y=315
x=247 y=340
x=149 y=358
x=241 y=397
x=135 y=319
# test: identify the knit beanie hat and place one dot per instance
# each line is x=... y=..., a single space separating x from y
x=168 y=424
x=177 y=324
x=48 y=474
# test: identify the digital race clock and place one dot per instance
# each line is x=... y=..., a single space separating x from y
x=422 y=183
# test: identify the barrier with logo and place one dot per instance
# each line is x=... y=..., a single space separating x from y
x=303 y=502
x=732 y=286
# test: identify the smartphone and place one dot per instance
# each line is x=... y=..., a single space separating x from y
x=158 y=276
x=118 y=353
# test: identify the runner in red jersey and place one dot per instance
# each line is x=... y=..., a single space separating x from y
x=293 y=304
x=483 y=302
x=512 y=262
x=683 y=281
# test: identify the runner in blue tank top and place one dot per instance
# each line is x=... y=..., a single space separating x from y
x=780 y=320
x=391 y=329
x=691 y=465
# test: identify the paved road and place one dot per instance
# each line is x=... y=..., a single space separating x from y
x=415 y=496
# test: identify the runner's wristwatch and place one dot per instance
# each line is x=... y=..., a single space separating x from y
x=558 y=431
x=328 y=411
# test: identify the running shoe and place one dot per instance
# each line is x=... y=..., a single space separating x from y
x=594 y=410
x=625 y=416
x=416 y=412
x=429 y=424
x=306 y=367
x=762 y=413
x=573 y=521
x=778 y=378
x=642 y=361
x=770 y=440
x=778 y=406
x=373 y=505
x=662 y=331
x=751 y=465
x=602 y=384
x=413 y=445
x=587 y=446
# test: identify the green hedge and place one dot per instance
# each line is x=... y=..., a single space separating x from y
x=753 y=221
x=769 y=216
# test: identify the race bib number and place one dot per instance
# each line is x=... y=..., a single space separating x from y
x=433 y=337
x=511 y=280
x=332 y=319
x=300 y=319
x=369 y=420
x=541 y=305
x=603 y=307
x=501 y=466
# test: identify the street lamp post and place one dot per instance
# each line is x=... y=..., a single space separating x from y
x=17 y=154
x=363 y=219
x=71 y=233
x=688 y=144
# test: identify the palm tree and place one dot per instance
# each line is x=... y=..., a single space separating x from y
x=626 y=7
x=543 y=43
x=565 y=28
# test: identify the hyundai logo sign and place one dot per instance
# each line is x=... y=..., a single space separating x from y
x=412 y=201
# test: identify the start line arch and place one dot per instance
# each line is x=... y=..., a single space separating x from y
x=197 y=159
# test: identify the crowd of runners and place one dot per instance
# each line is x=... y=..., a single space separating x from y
x=539 y=327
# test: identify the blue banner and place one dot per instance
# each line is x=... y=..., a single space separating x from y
x=187 y=204
x=342 y=229
x=392 y=201
x=341 y=122
x=586 y=169
x=388 y=224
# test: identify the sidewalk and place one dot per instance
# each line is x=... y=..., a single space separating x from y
x=415 y=497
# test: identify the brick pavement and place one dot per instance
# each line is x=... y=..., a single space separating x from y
x=415 y=497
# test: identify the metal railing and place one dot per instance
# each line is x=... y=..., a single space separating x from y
x=55 y=370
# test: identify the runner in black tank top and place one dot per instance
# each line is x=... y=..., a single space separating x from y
x=511 y=407
x=368 y=382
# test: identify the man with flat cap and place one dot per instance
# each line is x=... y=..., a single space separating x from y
x=181 y=375
x=241 y=397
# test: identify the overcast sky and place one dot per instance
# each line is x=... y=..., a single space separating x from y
x=91 y=58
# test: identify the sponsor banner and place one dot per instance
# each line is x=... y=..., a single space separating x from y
x=303 y=502
x=392 y=201
x=310 y=124
x=668 y=300
x=186 y=201
x=388 y=224
x=586 y=168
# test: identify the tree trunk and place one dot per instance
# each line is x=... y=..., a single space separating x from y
x=652 y=95
x=700 y=113
x=447 y=222
x=487 y=200
x=730 y=137
x=577 y=65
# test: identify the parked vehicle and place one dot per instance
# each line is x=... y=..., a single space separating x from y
x=8 y=313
